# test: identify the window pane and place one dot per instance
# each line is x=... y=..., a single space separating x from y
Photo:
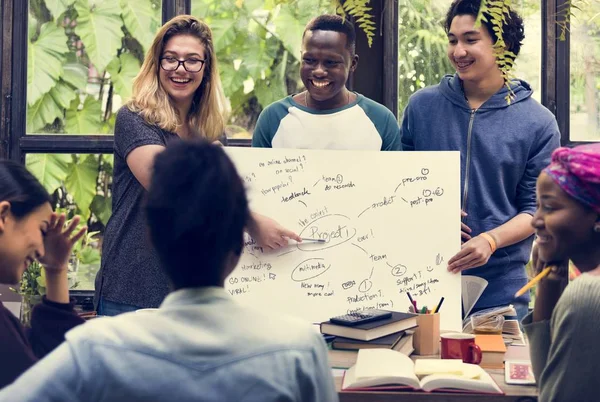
x=82 y=59
x=79 y=184
x=529 y=62
x=258 y=49
x=422 y=43
x=585 y=73
x=422 y=46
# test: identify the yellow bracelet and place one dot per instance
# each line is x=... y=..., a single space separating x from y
x=490 y=240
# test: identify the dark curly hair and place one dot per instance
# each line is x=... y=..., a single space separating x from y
x=196 y=210
x=513 y=30
x=336 y=23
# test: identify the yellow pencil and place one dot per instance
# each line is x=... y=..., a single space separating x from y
x=533 y=282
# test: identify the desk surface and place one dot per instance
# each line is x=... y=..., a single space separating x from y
x=513 y=393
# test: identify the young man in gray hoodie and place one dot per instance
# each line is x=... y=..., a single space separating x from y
x=503 y=145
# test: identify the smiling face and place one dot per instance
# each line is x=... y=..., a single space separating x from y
x=471 y=51
x=21 y=240
x=181 y=85
x=564 y=226
x=326 y=64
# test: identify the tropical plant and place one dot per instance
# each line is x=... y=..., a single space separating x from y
x=422 y=44
x=359 y=10
x=82 y=57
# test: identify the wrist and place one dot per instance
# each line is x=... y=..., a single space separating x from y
x=54 y=270
x=491 y=240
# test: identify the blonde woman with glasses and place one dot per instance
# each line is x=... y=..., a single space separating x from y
x=176 y=95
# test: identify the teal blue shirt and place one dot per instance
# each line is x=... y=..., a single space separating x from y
x=361 y=125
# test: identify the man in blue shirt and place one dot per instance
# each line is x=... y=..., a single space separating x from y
x=327 y=115
x=200 y=345
x=505 y=138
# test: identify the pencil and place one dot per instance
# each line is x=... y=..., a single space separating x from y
x=438 y=307
x=533 y=282
x=316 y=240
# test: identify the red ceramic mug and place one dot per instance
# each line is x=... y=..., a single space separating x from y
x=460 y=346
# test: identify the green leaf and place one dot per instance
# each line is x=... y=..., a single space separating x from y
x=57 y=7
x=102 y=208
x=231 y=79
x=224 y=32
x=99 y=27
x=141 y=20
x=31 y=27
x=88 y=120
x=45 y=61
x=50 y=169
x=49 y=107
x=122 y=71
x=259 y=57
x=81 y=183
x=108 y=127
x=76 y=74
x=289 y=30
x=273 y=87
x=89 y=256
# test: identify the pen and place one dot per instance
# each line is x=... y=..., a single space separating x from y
x=410 y=298
x=438 y=307
x=533 y=282
x=315 y=240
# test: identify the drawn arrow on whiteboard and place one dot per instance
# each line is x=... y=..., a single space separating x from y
x=272 y=276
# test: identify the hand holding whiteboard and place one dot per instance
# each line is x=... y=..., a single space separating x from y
x=385 y=221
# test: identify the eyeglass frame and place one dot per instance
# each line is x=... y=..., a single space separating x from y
x=181 y=63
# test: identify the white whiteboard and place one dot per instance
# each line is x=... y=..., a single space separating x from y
x=391 y=221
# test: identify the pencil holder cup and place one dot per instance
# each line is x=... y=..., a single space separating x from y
x=426 y=339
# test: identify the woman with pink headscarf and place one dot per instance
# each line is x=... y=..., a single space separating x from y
x=564 y=328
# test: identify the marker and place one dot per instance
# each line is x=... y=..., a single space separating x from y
x=438 y=307
x=424 y=310
x=534 y=281
x=315 y=240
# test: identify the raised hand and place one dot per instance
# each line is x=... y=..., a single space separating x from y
x=59 y=242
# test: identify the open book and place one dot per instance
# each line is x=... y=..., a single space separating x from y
x=472 y=289
x=386 y=369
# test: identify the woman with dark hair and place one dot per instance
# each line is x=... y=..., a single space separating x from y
x=201 y=344
x=30 y=231
x=563 y=329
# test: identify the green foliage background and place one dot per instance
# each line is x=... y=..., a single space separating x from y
x=83 y=55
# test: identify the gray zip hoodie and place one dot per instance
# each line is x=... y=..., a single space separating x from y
x=503 y=148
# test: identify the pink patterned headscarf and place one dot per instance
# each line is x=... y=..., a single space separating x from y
x=577 y=172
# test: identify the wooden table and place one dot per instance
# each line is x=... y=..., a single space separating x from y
x=513 y=393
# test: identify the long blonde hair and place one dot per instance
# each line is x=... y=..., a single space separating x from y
x=207 y=113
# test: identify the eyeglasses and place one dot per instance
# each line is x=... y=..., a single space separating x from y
x=190 y=65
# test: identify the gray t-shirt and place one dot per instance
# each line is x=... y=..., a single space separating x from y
x=130 y=271
x=564 y=350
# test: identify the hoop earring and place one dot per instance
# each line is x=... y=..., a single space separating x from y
x=597 y=228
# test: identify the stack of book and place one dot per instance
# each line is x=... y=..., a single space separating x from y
x=493 y=350
x=511 y=332
x=394 y=333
